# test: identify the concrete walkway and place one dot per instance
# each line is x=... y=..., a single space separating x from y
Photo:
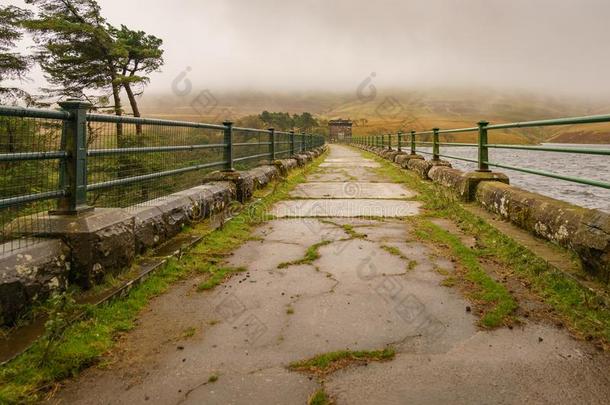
x=373 y=286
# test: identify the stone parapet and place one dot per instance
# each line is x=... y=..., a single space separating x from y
x=583 y=230
x=30 y=274
x=423 y=167
x=84 y=248
x=462 y=184
x=403 y=160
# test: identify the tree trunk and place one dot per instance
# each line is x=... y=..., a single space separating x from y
x=139 y=141
x=118 y=110
x=123 y=161
x=134 y=106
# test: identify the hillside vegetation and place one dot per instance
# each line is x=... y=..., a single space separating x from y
x=394 y=110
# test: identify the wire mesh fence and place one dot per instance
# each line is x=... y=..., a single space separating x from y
x=30 y=157
x=251 y=147
x=129 y=164
x=283 y=145
x=50 y=160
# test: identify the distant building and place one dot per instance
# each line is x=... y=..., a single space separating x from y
x=340 y=130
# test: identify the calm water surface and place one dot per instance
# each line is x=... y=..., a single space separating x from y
x=595 y=167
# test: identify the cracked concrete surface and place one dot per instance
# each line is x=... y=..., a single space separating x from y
x=356 y=296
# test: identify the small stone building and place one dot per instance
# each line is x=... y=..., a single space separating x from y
x=340 y=130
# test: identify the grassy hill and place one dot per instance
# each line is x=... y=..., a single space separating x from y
x=393 y=110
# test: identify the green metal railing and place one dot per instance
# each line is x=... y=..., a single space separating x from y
x=482 y=129
x=68 y=161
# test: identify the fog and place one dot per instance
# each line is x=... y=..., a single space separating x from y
x=557 y=46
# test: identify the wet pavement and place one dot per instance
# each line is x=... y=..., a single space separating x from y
x=373 y=286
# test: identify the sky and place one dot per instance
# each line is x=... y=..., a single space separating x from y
x=559 y=46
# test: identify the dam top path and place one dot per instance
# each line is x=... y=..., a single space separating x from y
x=373 y=285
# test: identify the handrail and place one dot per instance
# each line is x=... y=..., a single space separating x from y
x=120 y=119
x=483 y=145
x=72 y=165
x=458 y=130
x=584 y=151
x=590 y=119
x=22 y=112
x=15 y=157
x=153 y=149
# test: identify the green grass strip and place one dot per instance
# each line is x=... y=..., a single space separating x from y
x=578 y=306
x=494 y=294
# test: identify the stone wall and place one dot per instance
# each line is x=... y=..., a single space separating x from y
x=83 y=249
x=584 y=231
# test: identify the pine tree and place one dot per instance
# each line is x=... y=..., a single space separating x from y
x=12 y=64
x=75 y=49
x=143 y=56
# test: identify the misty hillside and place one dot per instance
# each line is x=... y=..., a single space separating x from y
x=400 y=110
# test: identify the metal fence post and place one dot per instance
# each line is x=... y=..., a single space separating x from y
x=413 y=150
x=483 y=149
x=382 y=141
x=272 y=143
x=73 y=170
x=228 y=145
x=399 y=141
x=389 y=141
x=435 y=149
x=292 y=143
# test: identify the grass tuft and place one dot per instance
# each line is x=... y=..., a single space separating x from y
x=189 y=332
x=330 y=362
x=319 y=398
x=311 y=255
x=347 y=228
x=393 y=251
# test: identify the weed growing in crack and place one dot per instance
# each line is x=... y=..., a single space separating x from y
x=347 y=228
x=449 y=281
x=319 y=398
x=393 y=251
x=311 y=255
x=328 y=363
x=189 y=332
